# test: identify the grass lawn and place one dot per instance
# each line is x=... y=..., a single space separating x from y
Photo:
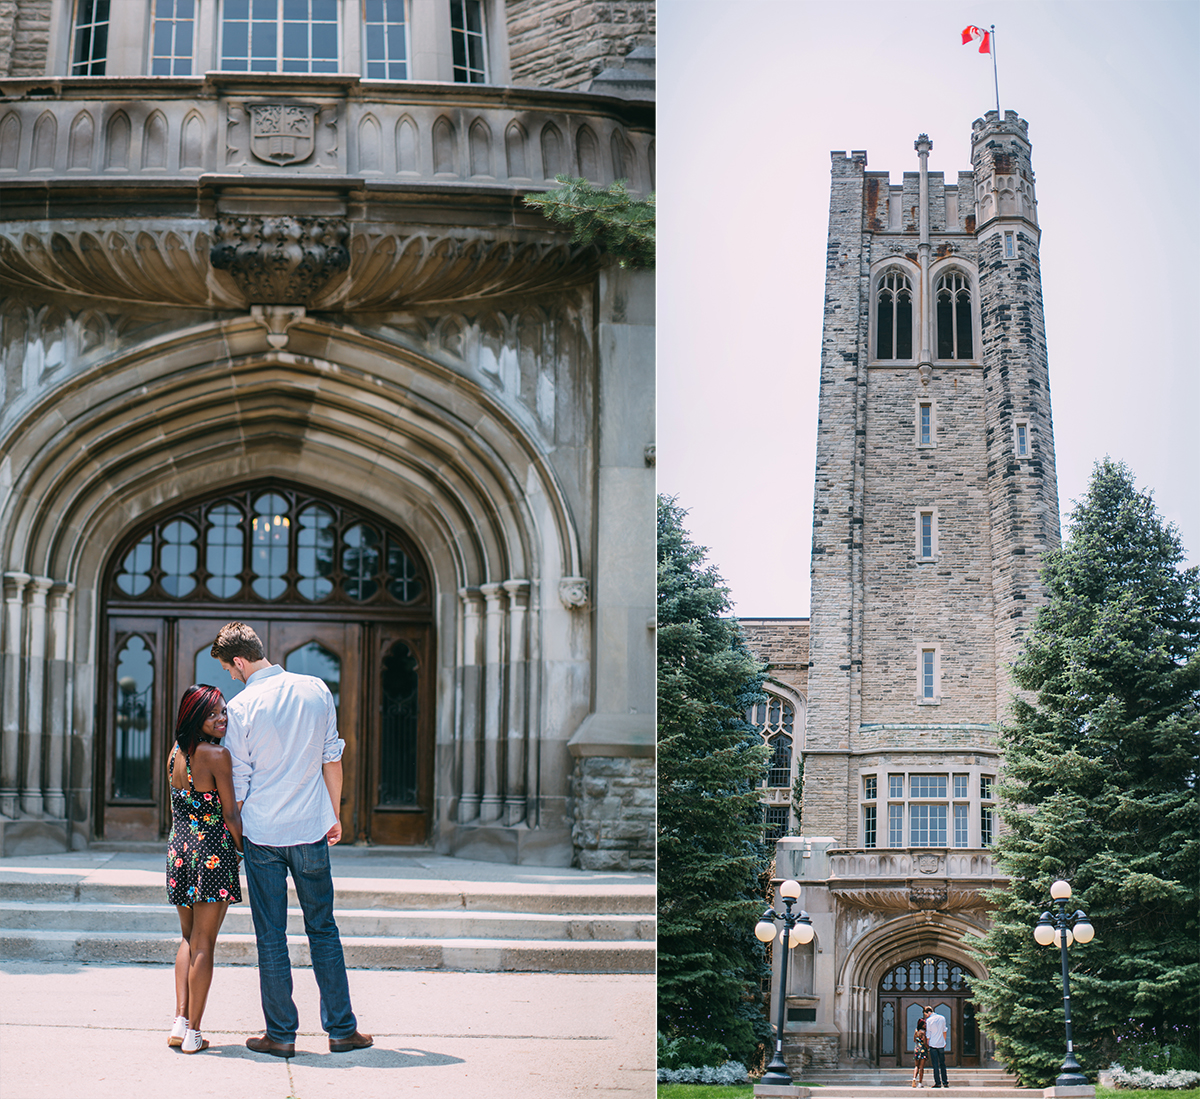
x=1141 y=1093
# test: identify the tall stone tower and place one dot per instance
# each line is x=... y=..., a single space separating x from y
x=935 y=502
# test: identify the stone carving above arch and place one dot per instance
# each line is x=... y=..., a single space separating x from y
x=45 y=142
x=280 y=260
x=80 y=141
x=587 y=154
x=259 y=259
x=554 y=159
x=480 y=142
x=445 y=148
x=154 y=141
x=407 y=162
x=10 y=142
x=515 y=144
x=116 y=143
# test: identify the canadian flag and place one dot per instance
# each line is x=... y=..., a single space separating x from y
x=971 y=34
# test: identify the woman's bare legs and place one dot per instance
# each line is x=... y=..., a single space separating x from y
x=201 y=942
x=183 y=959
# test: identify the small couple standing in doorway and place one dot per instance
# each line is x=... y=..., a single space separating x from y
x=260 y=777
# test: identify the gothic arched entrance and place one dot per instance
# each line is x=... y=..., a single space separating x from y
x=905 y=989
x=332 y=591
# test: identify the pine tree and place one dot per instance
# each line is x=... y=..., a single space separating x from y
x=711 y=763
x=1100 y=788
x=612 y=219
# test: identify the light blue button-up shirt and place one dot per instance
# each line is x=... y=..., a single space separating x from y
x=282 y=730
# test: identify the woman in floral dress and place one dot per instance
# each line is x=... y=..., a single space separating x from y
x=920 y=1054
x=202 y=855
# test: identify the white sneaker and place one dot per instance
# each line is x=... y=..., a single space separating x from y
x=177 y=1032
x=193 y=1042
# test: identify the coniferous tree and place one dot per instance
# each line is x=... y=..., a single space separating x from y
x=711 y=763
x=1100 y=789
x=611 y=218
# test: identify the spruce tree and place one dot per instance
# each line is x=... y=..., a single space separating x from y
x=610 y=218
x=1099 y=788
x=711 y=763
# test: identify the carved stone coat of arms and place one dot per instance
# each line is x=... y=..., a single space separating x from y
x=282 y=133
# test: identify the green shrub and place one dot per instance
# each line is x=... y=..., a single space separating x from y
x=688 y=1051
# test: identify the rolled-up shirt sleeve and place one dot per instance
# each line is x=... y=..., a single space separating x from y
x=239 y=749
x=334 y=745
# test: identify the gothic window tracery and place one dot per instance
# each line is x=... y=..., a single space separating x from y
x=954 y=325
x=894 y=316
x=270 y=545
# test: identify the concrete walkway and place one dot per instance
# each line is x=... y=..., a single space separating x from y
x=70 y=1030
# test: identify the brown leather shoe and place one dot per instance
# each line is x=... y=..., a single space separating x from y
x=355 y=1041
x=275 y=1049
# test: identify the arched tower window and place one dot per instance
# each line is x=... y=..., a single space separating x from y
x=775 y=719
x=893 y=317
x=953 y=296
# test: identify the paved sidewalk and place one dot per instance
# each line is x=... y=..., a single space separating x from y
x=100 y=1032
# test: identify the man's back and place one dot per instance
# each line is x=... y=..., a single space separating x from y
x=282 y=729
x=935 y=1030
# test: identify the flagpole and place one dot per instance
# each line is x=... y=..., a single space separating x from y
x=995 y=75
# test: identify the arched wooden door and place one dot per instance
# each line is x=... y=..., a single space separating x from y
x=906 y=990
x=331 y=592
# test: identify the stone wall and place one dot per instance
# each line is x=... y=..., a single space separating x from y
x=566 y=43
x=24 y=37
x=614 y=813
x=810 y=1052
x=782 y=643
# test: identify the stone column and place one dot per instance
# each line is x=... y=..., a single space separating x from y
x=58 y=698
x=491 y=808
x=517 y=728
x=35 y=701
x=10 y=735
x=469 y=715
x=925 y=303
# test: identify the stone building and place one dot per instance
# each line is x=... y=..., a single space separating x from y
x=936 y=499
x=280 y=342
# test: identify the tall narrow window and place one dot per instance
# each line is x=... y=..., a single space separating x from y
x=954 y=340
x=926 y=535
x=893 y=318
x=775 y=822
x=467 y=43
x=961 y=820
x=928 y=674
x=1009 y=246
x=91 y=38
x=386 y=32
x=398 y=771
x=171 y=49
x=925 y=423
x=895 y=825
x=1021 y=430
x=133 y=724
x=869 y=826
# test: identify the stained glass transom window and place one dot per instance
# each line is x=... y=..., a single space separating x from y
x=270 y=545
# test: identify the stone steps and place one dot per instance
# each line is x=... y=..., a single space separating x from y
x=385 y=923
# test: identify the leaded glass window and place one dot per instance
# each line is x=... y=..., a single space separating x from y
x=270 y=545
x=776 y=822
x=954 y=339
x=133 y=725
x=893 y=317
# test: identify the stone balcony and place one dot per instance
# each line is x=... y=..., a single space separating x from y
x=151 y=188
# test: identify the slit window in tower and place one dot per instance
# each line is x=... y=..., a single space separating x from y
x=925 y=423
x=1022 y=438
x=893 y=317
x=1010 y=249
x=927 y=674
x=925 y=533
x=954 y=327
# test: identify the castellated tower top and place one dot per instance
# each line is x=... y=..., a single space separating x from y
x=1001 y=159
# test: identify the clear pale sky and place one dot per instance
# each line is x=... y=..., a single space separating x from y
x=754 y=94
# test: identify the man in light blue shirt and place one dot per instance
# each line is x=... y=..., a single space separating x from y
x=287 y=777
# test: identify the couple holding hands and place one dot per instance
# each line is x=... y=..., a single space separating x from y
x=261 y=776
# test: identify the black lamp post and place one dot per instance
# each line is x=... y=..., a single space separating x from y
x=797 y=928
x=1054 y=929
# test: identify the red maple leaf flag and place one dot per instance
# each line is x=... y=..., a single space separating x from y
x=971 y=34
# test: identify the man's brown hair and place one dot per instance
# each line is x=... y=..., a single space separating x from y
x=237 y=639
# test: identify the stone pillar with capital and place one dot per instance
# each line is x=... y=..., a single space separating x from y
x=470 y=713
x=491 y=806
x=516 y=740
x=58 y=698
x=10 y=732
x=35 y=701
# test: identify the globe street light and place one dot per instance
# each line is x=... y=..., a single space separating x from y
x=797 y=928
x=1054 y=929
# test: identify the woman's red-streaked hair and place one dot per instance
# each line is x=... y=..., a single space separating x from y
x=198 y=700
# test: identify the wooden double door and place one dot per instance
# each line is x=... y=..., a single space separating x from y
x=380 y=674
x=904 y=993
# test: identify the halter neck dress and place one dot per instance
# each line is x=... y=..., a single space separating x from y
x=202 y=863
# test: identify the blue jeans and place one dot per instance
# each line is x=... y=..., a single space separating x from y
x=266 y=879
x=937 y=1059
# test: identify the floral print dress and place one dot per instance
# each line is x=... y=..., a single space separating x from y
x=202 y=863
